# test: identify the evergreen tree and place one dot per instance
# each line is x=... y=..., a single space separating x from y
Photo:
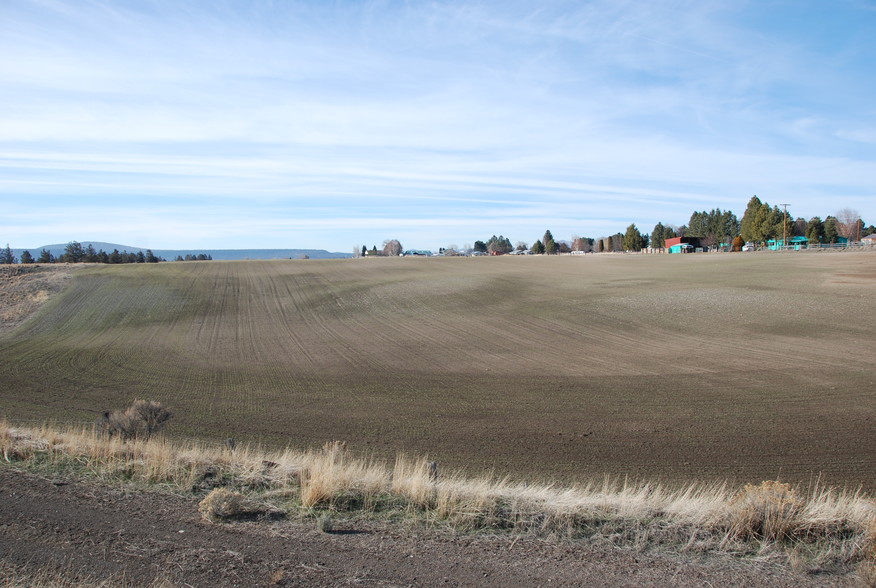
x=658 y=237
x=6 y=257
x=632 y=239
x=815 y=230
x=698 y=225
x=763 y=224
x=713 y=227
x=73 y=253
x=480 y=246
x=800 y=226
x=46 y=257
x=89 y=255
x=831 y=231
x=747 y=227
x=499 y=245
x=550 y=245
x=26 y=257
x=727 y=226
x=364 y=251
x=538 y=247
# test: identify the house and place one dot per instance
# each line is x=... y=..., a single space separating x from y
x=869 y=240
x=795 y=243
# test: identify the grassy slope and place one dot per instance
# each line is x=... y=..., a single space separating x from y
x=745 y=367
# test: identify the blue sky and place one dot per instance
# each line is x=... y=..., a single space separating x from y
x=260 y=124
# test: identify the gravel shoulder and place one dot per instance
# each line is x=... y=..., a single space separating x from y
x=80 y=530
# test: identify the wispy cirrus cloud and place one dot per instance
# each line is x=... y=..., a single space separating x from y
x=426 y=119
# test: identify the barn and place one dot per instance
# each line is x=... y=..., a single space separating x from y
x=683 y=244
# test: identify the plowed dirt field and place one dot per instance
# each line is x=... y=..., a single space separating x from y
x=740 y=367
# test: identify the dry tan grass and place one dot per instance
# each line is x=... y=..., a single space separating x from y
x=830 y=524
x=11 y=577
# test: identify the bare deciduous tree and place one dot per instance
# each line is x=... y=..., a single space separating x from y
x=392 y=247
x=848 y=222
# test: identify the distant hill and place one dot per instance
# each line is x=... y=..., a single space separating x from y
x=217 y=254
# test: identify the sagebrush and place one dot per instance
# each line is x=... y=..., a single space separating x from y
x=141 y=420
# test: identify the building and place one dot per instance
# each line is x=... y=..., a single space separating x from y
x=795 y=243
x=682 y=244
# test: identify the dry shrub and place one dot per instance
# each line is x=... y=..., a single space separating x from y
x=333 y=478
x=768 y=511
x=223 y=504
x=141 y=420
x=325 y=524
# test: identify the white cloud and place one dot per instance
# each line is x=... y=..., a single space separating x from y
x=456 y=113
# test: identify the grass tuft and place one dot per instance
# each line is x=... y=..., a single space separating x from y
x=222 y=504
x=769 y=511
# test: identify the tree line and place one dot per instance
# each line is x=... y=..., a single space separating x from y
x=74 y=252
x=714 y=228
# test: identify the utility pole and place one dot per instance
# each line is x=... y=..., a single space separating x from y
x=785 y=226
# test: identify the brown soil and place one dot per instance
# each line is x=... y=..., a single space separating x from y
x=25 y=288
x=76 y=529
x=667 y=369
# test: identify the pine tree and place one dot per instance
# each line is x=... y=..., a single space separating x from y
x=6 y=257
x=747 y=227
x=658 y=237
x=831 y=231
x=550 y=245
x=73 y=252
x=815 y=230
x=632 y=239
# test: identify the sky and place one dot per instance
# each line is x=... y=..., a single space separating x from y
x=175 y=124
